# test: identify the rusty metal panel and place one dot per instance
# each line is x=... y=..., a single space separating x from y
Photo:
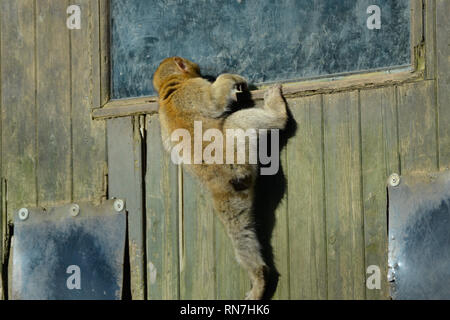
x=70 y=252
x=419 y=236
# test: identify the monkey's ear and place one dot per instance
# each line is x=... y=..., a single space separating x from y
x=180 y=64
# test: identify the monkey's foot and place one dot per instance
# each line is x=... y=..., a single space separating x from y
x=253 y=295
x=258 y=286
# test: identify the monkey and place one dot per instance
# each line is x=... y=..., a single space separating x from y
x=184 y=96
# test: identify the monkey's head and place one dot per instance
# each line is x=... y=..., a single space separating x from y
x=174 y=66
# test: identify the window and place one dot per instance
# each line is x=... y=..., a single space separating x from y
x=264 y=40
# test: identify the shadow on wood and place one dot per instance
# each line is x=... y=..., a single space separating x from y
x=269 y=192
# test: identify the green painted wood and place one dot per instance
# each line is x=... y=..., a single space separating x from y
x=18 y=115
x=162 y=218
x=125 y=181
x=344 y=218
x=2 y=297
x=280 y=237
x=416 y=33
x=104 y=34
x=232 y=281
x=307 y=229
x=1 y=171
x=197 y=265
x=54 y=142
x=3 y=233
x=379 y=156
x=443 y=80
x=417 y=127
x=89 y=141
x=430 y=38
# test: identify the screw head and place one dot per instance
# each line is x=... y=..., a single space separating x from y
x=394 y=180
x=74 y=210
x=119 y=205
x=23 y=214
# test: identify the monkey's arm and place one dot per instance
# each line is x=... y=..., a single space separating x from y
x=224 y=89
x=272 y=115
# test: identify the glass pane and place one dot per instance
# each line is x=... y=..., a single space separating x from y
x=263 y=40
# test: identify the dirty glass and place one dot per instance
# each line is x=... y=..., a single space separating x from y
x=264 y=40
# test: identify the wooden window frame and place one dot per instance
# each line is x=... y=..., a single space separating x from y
x=421 y=68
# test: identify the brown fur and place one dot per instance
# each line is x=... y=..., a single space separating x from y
x=185 y=97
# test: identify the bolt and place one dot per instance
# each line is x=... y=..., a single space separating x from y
x=118 y=205
x=23 y=214
x=394 y=180
x=74 y=210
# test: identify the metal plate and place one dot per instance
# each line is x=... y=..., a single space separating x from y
x=419 y=237
x=69 y=252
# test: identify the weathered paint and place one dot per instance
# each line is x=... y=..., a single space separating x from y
x=162 y=221
x=305 y=198
x=51 y=150
x=443 y=81
x=124 y=146
x=400 y=126
x=379 y=156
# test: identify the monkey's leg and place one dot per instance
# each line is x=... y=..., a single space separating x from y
x=225 y=87
x=272 y=115
x=248 y=254
x=239 y=223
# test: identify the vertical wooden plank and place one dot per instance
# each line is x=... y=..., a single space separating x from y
x=430 y=38
x=417 y=127
x=232 y=281
x=3 y=220
x=417 y=36
x=1 y=171
x=161 y=185
x=104 y=33
x=379 y=160
x=197 y=267
x=2 y=295
x=18 y=103
x=125 y=182
x=307 y=229
x=443 y=80
x=3 y=234
x=54 y=143
x=89 y=141
x=345 y=223
x=280 y=236
x=416 y=22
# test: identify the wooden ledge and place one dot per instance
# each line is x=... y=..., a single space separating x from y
x=149 y=105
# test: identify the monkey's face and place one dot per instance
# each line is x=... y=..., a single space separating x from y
x=174 y=66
